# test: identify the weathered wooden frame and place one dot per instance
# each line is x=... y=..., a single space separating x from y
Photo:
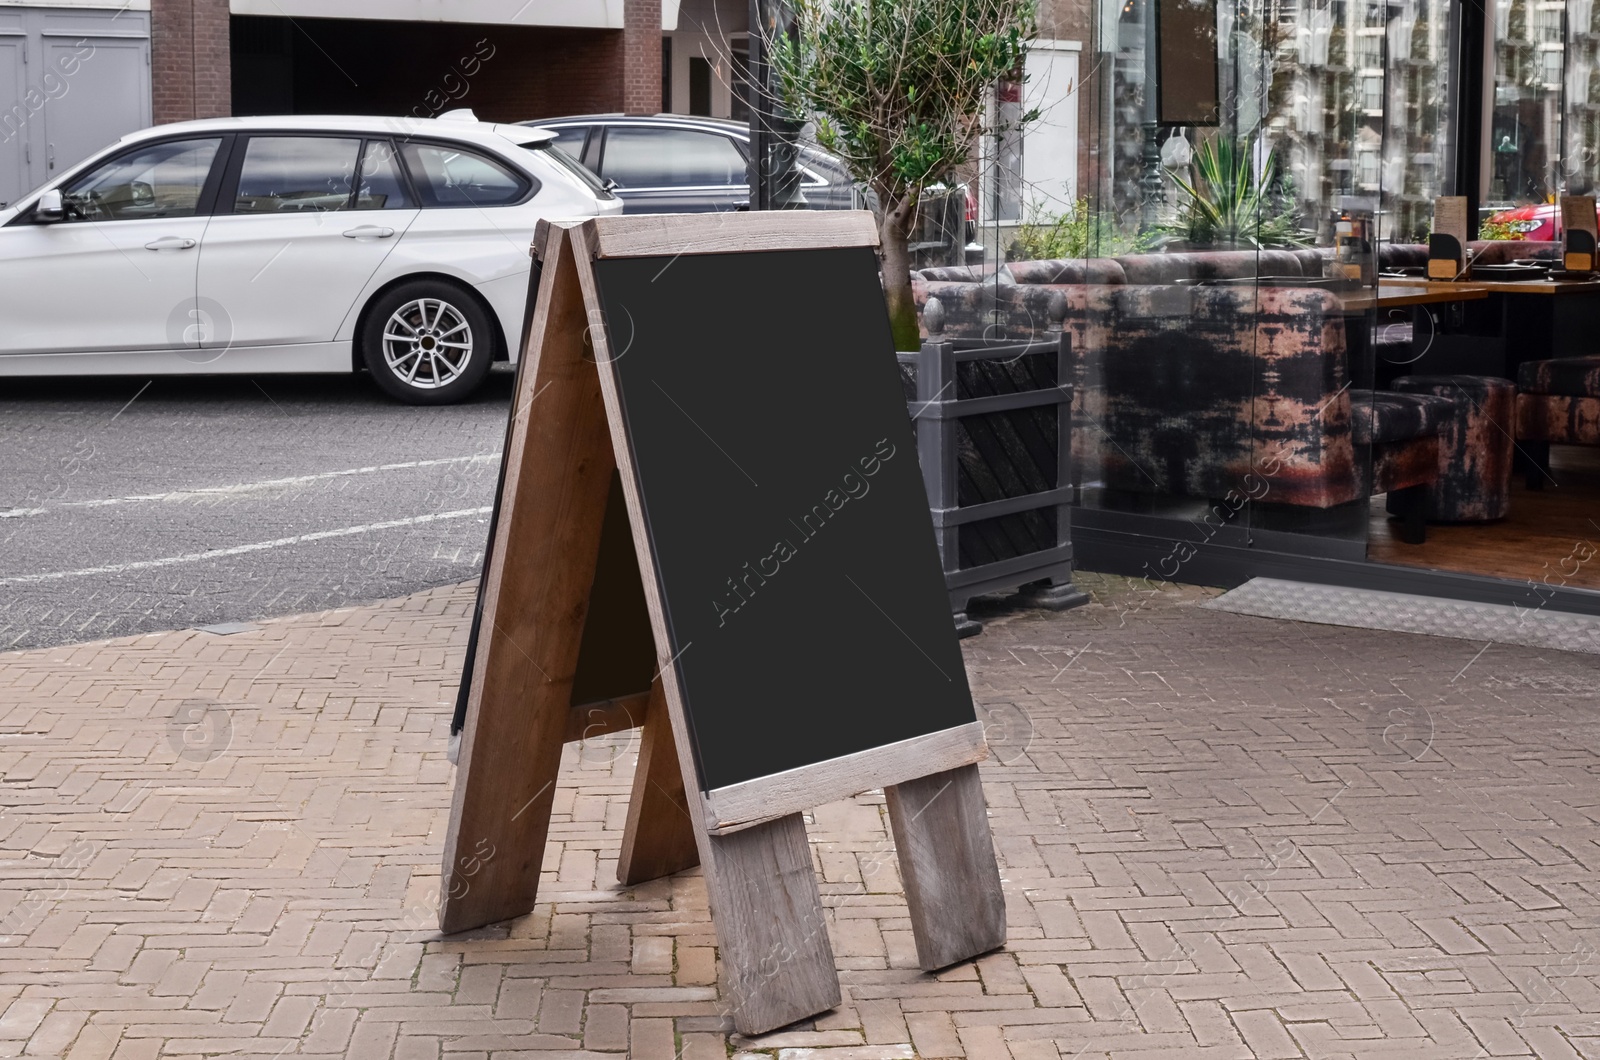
x=749 y=837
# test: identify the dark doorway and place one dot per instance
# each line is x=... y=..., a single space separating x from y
x=700 y=86
x=354 y=66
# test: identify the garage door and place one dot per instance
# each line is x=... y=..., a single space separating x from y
x=99 y=105
x=13 y=120
x=72 y=80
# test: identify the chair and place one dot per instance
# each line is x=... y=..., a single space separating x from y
x=1399 y=433
x=1475 y=445
x=1558 y=401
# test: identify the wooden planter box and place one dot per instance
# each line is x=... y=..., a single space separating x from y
x=994 y=439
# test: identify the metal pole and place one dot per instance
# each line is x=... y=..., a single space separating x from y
x=760 y=103
x=1152 y=191
x=774 y=134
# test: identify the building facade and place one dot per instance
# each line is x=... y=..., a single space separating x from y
x=76 y=74
x=157 y=61
x=73 y=77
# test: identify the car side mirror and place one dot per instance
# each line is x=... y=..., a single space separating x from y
x=50 y=208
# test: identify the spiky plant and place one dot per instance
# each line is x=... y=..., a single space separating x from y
x=1226 y=205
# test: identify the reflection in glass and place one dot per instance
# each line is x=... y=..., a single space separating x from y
x=1526 y=118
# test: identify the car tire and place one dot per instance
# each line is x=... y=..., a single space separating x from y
x=427 y=342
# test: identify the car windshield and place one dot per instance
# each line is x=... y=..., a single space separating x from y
x=548 y=150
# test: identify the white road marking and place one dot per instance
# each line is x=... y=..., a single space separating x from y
x=250 y=487
x=239 y=550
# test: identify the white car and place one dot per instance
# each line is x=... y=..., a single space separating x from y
x=294 y=244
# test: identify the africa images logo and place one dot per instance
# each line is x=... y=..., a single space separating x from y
x=853 y=486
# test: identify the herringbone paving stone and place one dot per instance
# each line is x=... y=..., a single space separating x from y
x=1221 y=836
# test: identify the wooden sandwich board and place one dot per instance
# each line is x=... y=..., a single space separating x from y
x=711 y=523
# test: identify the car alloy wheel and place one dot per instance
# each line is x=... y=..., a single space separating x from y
x=427 y=343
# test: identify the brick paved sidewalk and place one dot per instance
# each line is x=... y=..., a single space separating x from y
x=1221 y=837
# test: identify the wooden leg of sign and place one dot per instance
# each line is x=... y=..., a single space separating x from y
x=658 y=839
x=519 y=709
x=941 y=832
x=768 y=914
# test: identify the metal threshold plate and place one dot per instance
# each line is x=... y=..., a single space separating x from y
x=1404 y=613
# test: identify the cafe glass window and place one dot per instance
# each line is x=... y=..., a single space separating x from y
x=1216 y=271
x=1238 y=361
x=1524 y=127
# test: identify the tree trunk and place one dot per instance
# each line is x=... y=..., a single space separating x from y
x=895 y=260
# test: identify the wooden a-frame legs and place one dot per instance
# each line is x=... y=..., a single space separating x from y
x=763 y=891
x=658 y=838
x=947 y=863
x=558 y=474
x=776 y=956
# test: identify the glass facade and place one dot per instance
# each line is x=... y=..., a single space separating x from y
x=1258 y=361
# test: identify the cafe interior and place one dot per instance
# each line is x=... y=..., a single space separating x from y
x=1328 y=273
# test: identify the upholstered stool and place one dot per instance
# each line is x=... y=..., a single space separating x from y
x=1475 y=445
x=1398 y=451
x=1558 y=401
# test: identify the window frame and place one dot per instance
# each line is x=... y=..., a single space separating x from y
x=205 y=205
x=415 y=201
x=739 y=146
x=584 y=148
x=533 y=184
x=225 y=202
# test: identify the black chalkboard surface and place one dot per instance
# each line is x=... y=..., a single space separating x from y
x=777 y=473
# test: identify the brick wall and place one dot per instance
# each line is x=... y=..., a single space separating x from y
x=332 y=65
x=190 y=75
x=641 y=56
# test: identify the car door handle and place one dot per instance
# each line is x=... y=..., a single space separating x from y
x=369 y=232
x=170 y=243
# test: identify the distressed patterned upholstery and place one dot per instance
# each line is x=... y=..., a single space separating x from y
x=1559 y=419
x=1187 y=390
x=1559 y=402
x=1200 y=387
x=1385 y=416
x=1475 y=444
x=1506 y=251
x=1068 y=270
x=1208 y=265
x=1571 y=376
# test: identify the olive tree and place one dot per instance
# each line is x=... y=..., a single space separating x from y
x=898 y=90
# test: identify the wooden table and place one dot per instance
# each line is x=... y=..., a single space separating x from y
x=1513 y=321
x=1393 y=305
x=1390 y=296
x=1545 y=287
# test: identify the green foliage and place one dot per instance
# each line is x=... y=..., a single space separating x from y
x=898 y=87
x=1500 y=230
x=1225 y=205
x=1081 y=232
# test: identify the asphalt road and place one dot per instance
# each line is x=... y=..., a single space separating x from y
x=132 y=505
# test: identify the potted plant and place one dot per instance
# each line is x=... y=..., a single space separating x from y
x=1226 y=206
x=898 y=90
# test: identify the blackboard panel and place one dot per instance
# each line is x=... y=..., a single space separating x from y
x=778 y=475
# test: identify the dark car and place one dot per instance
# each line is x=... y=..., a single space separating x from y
x=674 y=163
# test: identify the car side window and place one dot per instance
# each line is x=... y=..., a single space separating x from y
x=158 y=180
x=570 y=139
x=670 y=158
x=382 y=186
x=296 y=174
x=455 y=176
